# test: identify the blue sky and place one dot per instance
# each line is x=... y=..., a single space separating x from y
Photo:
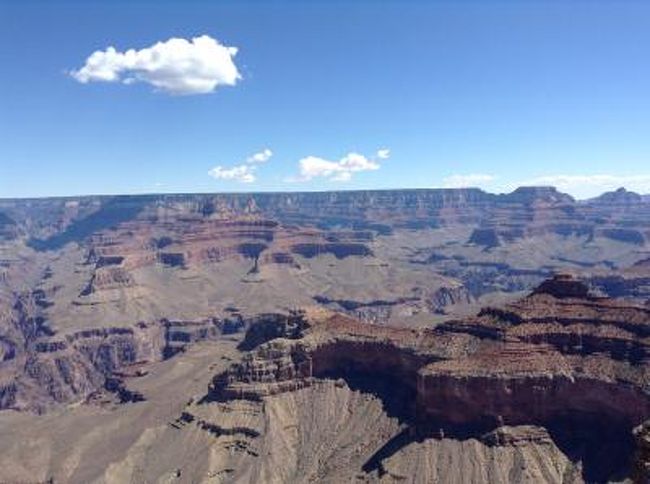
x=460 y=93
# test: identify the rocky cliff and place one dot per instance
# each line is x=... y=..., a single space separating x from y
x=396 y=372
x=40 y=369
x=559 y=359
x=420 y=252
x=525 y=210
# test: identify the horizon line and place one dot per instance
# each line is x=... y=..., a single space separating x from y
x=281 y=192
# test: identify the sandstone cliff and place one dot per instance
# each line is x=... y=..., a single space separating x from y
x=559 y=359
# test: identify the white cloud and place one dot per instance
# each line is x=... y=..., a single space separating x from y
x=245 y=172
x=341 y=170
x=585 y=186
x=240 y=173
x=176 y=66
x=383 y=154
x=261 y=157
x=467 y=181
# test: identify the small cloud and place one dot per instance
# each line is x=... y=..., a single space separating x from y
x=244 y=172
x=340 y=170
x=467 y=181
x=240 y=173
x=383 y=154
x=261 y=157
x=176 y=66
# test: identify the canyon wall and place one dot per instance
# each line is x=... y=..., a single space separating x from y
x=467 y=378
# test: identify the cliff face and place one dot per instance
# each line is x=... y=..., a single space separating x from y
x=96 y=292
x=631 y=283
x=193 y=241
x=48 y=371
x=641 y=473
x=532 y=209
x=505 y=367
x=550 y=388
x=392 y=254
x=40 y=369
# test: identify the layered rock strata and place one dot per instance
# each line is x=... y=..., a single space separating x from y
x=40 y=369
x=560 y=359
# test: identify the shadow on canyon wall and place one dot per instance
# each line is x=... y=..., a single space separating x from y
x=111 y=214
x=603 y=447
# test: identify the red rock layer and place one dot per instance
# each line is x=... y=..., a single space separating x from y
x=558 y=354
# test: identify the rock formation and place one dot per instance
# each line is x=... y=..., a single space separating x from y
x=641 y=471
x=477 y=243
x=559 y=359
x=41 y=369
x=437 y=342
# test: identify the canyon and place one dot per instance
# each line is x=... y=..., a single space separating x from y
x=558 y=362
x=374 y=336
